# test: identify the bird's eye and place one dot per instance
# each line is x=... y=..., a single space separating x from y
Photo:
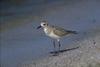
x=44 y=24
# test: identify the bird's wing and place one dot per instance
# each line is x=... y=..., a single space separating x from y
x=62 y=32
x=59 y=31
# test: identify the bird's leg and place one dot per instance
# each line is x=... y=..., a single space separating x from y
x=54 y=44
x=59 y=44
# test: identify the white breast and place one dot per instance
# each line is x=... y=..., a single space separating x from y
x=46 y=31
x=51 y=34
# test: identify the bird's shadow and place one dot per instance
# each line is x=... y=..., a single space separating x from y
x=55 y=53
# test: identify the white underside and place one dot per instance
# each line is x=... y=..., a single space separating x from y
x=51 y=34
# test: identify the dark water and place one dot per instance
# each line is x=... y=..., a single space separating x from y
x=21 y=42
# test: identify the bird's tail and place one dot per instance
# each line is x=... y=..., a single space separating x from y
x=73 y=32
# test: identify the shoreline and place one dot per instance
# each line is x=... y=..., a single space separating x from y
x=87 y=55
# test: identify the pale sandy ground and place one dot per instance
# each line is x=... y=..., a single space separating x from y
x=88 y=55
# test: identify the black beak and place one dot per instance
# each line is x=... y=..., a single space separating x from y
x=38 y=27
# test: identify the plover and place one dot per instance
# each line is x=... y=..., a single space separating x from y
x=55 y=32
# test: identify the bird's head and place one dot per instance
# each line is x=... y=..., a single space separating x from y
x=43 y=24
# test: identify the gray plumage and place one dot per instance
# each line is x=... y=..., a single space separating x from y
x=61 y=31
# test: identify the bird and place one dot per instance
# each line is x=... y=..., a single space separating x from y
x=55 y=32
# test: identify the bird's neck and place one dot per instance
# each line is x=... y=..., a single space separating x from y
x=47 y=30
